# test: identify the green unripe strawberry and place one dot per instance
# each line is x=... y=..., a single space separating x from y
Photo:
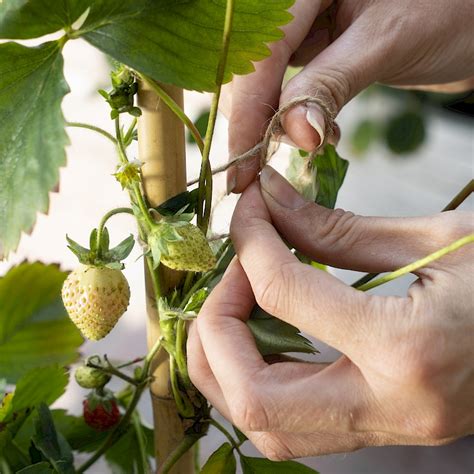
x=181 y=246
x=89 y=377
x=95 y=298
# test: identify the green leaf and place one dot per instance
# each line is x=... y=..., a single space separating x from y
x=331 y=171
x=51 y=444
x=180 y=42
x=34 y=327
x=302 y=174
x=274 y=336
x=23 y=19
x=265 y=466
x=124 y=456
x=365 y=133
x=201 y=124
x=196 y=301
x=40 y=385
x=221 y=461
x=80 y=436
x=187 y=200
x=32 y=136
x=38 y=468
x=240 y=436
x=405 y=132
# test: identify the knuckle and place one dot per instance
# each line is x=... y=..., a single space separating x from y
x=334 y=85
x=271 y=292
x=336 y=228
x=248 y=412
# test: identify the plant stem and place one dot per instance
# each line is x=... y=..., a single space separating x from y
x=185 y=445
x=469 y=239
x=197 y=460
x=130 y=130
x=106 y=217
x=155 y=280
x=460 y=197
x=205 y=176
x=231 y=439
x=457 y=200
x=175 y=108
x=136 y=193
x=120 y=429
x=111 y=370
x=137 y=425
x=181 y=352
x=93 y=128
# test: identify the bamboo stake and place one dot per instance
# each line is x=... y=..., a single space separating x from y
x=162 y=152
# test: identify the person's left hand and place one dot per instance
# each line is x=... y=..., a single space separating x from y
x=406 y=375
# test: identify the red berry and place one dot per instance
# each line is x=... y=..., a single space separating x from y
x=101 y=416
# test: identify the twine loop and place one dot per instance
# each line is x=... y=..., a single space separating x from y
x=271 y=139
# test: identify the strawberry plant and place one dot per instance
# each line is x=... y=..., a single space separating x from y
x=45 y=312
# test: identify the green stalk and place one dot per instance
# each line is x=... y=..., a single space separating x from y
x=181 y=352
x=130 y=130
x=137 y=425
x=231 y=439
x=106 y=217
x=94 y=129
x=185 y=445
x=412 y=267
x=205 y=176
x=175 y=108
x=136 y=193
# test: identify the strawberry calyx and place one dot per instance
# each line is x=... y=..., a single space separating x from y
x=100 y=254
x=100 y=410
x=101 y=397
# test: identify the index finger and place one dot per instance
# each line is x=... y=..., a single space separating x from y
x=255 y=96
x=310 y=299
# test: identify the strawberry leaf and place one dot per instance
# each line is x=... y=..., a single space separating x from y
x=32 y=136
x=221 y=461
x=52 y=444
x=331 y=171
x=32 y=19
x=265 y=466
x=180 y=42
x=34 y=327
x=274 y=336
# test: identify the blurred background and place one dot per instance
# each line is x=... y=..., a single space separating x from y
x=409 y=152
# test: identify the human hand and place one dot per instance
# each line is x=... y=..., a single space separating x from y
x=399 y=43
x=406 y=376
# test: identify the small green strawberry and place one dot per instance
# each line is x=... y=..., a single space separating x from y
x=180 y=245
x=96 y=294
x=89 y=377
x=95 y=298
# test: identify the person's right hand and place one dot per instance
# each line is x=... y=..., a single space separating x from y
x=359 y=43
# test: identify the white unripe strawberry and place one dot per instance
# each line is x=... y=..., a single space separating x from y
x=95 y=298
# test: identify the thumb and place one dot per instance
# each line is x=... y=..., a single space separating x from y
x=336 y=75
x=343 y=240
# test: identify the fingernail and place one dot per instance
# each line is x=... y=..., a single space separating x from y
x=280 y=189
x=231 y=180
x=315 y=118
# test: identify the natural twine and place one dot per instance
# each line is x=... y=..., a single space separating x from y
x=274 y=132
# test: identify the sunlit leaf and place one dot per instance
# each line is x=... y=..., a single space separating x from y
x=34 y=327
x=32 y=136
